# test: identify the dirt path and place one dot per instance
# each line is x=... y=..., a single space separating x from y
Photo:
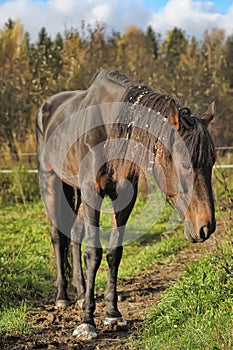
x=53 y=328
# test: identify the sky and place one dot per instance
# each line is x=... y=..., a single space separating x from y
x=192 y=16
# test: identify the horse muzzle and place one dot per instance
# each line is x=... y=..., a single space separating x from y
x=198 y=235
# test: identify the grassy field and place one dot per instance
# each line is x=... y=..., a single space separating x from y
x=197 y=312
x=194 y=313
x=27 y=266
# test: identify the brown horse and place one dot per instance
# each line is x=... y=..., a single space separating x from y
x=97 y=142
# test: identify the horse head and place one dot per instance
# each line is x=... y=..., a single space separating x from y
x=183 y=170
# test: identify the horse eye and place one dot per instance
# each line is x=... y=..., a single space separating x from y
x=186 y=165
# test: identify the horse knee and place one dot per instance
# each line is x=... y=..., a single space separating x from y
x=92 y=258
x=114 y=256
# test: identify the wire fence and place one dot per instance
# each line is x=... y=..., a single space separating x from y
x=35 y=171
x=33 y=154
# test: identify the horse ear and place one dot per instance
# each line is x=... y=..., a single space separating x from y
x=173 y=117
x=209 y=114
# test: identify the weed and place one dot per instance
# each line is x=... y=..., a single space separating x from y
x=13 y=320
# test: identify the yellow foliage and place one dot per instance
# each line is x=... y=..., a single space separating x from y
x=132 y=31
x=11 y=40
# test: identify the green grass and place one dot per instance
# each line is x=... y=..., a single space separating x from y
x=13 y=320
x=25 y=253
x=196 y=312
x=25 y=275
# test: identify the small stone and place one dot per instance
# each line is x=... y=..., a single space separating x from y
x=51 y=318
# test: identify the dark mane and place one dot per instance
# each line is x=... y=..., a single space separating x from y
x=198 y=141
x=120 y=78
x=145 y=96
x=192 y=131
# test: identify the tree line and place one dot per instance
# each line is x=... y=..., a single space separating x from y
x=195 y=71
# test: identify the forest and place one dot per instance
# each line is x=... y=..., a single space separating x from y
x=197 y=72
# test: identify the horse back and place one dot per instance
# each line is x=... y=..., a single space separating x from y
x=106 y=86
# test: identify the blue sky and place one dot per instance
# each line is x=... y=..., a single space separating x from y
x=193 y=16
x=221 y=5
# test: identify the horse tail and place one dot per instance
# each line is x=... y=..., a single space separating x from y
x=40 y=125
x=42 y=117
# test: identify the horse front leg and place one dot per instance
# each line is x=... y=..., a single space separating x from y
x=113 y=315
x=92 y=258
x=114 y=255
x=77 y=235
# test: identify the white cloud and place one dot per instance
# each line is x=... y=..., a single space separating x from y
x=192 y=16
x=56 y=15
x=63 y=7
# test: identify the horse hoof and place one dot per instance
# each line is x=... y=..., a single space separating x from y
x=120 y=321
x=85 y=331
x=62 y=304
x=80 y=303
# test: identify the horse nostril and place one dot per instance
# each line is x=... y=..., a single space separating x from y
x=204 y=232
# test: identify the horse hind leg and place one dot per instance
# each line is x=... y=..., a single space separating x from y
x=61 y=245
x=59 y=203
x=67 y=208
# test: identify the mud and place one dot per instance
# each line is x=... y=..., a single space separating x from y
x=52 y=328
